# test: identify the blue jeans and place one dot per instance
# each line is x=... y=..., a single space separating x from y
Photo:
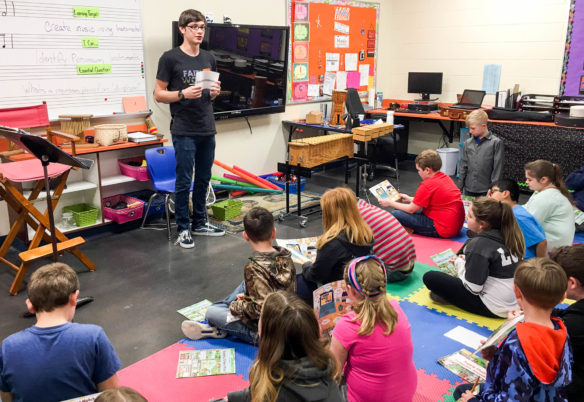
x=197 y=151
x=305 y=288
x=217 y=316
x=417 y=221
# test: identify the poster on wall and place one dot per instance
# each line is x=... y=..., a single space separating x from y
x=572 y=83
x=332 y=46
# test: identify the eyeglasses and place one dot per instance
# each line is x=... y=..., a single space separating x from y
x=494 y=190
x=194 y=28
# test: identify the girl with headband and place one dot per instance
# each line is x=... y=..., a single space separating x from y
x=373 y=342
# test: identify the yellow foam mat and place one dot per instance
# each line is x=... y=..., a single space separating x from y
x=422 y=297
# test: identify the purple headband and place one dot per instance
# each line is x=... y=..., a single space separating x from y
x=352 y=273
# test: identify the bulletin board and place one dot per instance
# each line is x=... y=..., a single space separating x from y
x=333 y=45
x=78 y=56
x=572 y=83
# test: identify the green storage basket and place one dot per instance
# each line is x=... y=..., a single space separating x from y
x=84 y=214
x=227 y=209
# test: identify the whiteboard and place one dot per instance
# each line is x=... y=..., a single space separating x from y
x=79 y=56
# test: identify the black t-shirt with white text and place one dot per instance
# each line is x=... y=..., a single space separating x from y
x=190 y=116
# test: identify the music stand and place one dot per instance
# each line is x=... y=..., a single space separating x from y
x=47 y=153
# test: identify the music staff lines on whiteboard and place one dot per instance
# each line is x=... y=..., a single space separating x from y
x=8 y=6
x=7 y=41
x=35 y=41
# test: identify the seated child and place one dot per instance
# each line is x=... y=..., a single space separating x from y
x=346 y=236
x=373 y=342
x=533 y=363
x=575 y=182
x=481 y=162
x=292 y=364
x=392 y=243
x=507 y=191
x=436 y=210
x=121 y=394
x=485 y=269
x=571 y=259
x=270 y=268
x=56 y=359
x=551 y=203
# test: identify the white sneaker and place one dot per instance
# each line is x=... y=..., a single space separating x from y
x=185 y=240
x=197 y=330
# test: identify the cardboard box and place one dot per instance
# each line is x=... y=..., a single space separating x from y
x=314 y=117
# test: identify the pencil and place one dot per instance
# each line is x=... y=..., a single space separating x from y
x=474 y=385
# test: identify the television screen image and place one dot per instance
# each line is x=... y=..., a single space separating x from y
x=252 y=61
x=425 y=84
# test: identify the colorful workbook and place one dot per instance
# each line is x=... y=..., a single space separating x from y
x=466 y=202
x=466 y=365
x=303 y=250
x=197 y=311
x=578 y=216
x=442 y=261
x=200 y=363
x=330 y=303
x=385 y=191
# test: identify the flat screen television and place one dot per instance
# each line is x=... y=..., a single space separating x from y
x=425 y=84
x=252 y=61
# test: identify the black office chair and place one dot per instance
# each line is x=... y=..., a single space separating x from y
x=382 y=151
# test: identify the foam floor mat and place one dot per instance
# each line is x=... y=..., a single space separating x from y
x=405 y=288
x=427 y=246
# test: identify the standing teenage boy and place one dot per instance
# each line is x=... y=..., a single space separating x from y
x=192 y=125
x=436 y=210
x=482 y=157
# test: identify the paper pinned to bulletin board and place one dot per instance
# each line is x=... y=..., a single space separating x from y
x=333 y=46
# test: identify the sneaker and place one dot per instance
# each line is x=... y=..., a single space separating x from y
x=438 y=299
x=197 y=330
x=185 y=240
x=208 y=230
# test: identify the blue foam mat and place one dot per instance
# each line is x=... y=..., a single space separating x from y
x=579 y=237
x=245 y=353
x=461 y=236
x=428 y=329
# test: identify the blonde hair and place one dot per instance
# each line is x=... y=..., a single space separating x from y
x=478 y=116
x=542 y=168
x=429 y=159
x=499 y=215
x=542 y=281
x=340 y=213
x=288 y=330
x=372 y=310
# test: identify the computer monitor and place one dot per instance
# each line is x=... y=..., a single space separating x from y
x=425 y=84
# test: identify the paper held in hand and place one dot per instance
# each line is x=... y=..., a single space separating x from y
x=330 y=304
x=442 y=261
x=206 y=78
x=385 y=191
x=303 y=249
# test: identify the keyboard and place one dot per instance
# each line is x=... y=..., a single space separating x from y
x=413 y=111
x=465 y=107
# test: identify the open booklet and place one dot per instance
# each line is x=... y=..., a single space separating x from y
x=466 y=202
x=500 y=333
x=86 y=398
x=385 y=191
x=469 y=366
x=197 y=311
x=442 y=261
x=199 y=363
x=466 y=365
x=303 y=250
x=330 y=303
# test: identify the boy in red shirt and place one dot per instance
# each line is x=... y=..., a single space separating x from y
x=436 y=210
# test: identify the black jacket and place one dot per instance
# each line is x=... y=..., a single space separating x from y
x=573 y=317
x=331 y=259
x=307 y=384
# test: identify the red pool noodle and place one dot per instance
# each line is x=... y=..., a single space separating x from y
x=243 y=175
x=267 y=183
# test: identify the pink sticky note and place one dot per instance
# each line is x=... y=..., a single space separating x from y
x=353 y=79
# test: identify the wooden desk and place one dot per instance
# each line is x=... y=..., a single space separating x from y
x=524 y=141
